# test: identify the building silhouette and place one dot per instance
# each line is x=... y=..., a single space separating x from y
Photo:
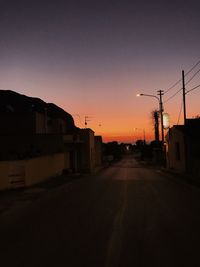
x=39 y=140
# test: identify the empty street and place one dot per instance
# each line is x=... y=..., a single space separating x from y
x=126 y=215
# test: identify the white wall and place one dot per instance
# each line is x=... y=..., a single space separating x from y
x=30 y=171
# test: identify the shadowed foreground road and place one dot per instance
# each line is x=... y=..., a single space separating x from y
x=127 y=215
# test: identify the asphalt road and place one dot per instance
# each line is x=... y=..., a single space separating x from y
x=126 y=215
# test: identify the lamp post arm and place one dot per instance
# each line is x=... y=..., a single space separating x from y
x=151 y=96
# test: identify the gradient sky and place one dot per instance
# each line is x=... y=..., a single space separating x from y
x=92 y=57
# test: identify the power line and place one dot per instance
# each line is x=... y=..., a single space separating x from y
x=171 y=87
x=173 y=95
x=193 y=89
x=193 y=76
x=195 y=65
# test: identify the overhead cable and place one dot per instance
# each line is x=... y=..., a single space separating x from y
x=192 y=77
x=172 y=96
x=192 y=89
x=194 y=66
x=173 y=86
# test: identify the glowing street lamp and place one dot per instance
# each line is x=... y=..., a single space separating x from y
x=160 y=93
x=149 y=95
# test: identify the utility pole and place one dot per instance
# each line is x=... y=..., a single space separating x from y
x=184 y=105
x=161 y=93
x=184 y=114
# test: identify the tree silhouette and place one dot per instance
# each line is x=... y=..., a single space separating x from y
x=155 y=118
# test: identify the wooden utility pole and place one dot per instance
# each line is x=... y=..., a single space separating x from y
x=184 y=114
x=184 y=105
x=161 y=93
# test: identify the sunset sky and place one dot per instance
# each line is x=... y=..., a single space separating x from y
x=92 y=57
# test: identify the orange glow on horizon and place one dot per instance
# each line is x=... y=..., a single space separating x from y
x=127 y=138
x=127 y=129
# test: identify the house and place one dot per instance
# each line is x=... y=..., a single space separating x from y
x=183 y=147
x=32 y=135
x=21 y=114
x=87 y=150
x=39 y=140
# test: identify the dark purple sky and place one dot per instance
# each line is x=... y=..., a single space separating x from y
x=85 y=54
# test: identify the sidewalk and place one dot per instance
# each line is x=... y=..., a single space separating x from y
x=22 y=196
x=182 y=177
x=179 y=177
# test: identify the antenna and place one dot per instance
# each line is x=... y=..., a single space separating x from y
x=87 y=118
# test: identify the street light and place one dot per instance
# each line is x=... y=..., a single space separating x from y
x=160 y=93
x=148 y=95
